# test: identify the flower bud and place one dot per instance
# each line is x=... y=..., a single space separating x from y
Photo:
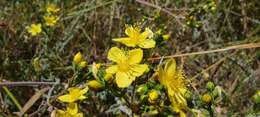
x=108 y=77
x=188 y=95
x=210 y=86
x=153 y=96
x=37 y=64
x=95 y=68
x=166 y=37
x=78 y=58
x=256 y=97
x=206 y=98
x=217 y=91
x=95 y=85
x=142 y=89
x=83 y=64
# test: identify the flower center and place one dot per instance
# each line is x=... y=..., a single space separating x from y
x=124 y=66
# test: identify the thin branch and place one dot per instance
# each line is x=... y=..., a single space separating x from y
x=10 y=84
x=162 y=9
x=242 y=46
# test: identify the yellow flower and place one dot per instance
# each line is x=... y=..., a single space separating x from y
x=136 y=38
x=51 y=8
x=34 y=29
x=153 y=96
x=95 y=85
x=75 y=94
x=206 y=98
x=175 y=83
x=127 y=67
x=50 y=20
x=72 y=111
x=78 y=58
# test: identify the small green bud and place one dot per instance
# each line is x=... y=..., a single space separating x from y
x=217 y=91
x=188 y=95
x=210 y=86
x=256 y=97
x=142 y=89
x=166 y=37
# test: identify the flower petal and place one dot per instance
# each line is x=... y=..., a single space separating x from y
x=127 y=41
x=123 y=79
x=170 y=68
x=83 y=91
x=147 y=43
x=116 y=55
x=72 y=108
x=135 y=56
x=82 y=97
x=138 y=70
x=112 y=69
x=161 y=76
x=66 y=98
x=79 y=115
x=74 y=90
x=146 y=34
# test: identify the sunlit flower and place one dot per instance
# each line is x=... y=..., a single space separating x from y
x=50 y=20
x=175 y=83
x=137 y=38
x=52 y=8
x=72 y=111
x=127 y=66
x=34 y=29
x=75 y=94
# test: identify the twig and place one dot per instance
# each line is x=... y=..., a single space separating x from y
x=32 y=101
x=212 y=66
x=242 y=46
x=162 y=9
x=9 y=84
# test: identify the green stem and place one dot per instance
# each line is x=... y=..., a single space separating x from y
x=18 y=105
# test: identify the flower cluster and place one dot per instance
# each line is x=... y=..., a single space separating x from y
x=127 y=65
x=50 y=19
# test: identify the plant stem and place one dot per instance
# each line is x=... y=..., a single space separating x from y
x=18 y=105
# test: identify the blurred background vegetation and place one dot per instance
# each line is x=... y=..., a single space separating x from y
x=89 y=25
